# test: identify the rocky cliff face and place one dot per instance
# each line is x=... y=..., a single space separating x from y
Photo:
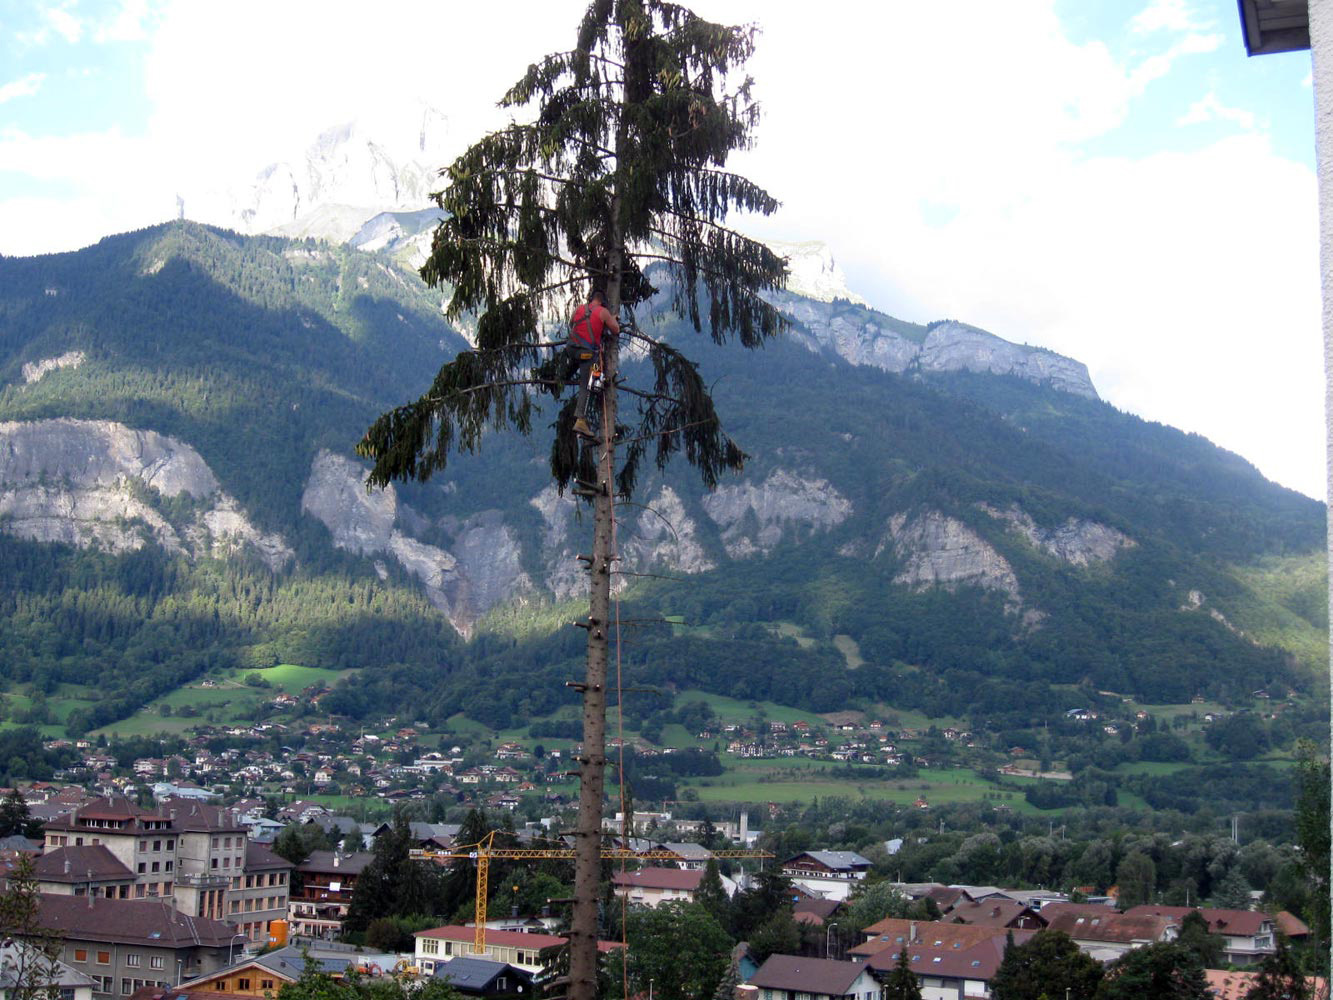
x=754 y=517
x=940 y=551
x=858 y=336
x=482 y=570
x=1079 y=542
x=94 y=482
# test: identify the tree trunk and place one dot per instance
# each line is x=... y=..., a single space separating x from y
x=592 y=771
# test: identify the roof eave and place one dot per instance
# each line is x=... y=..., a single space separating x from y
x=1270 y=26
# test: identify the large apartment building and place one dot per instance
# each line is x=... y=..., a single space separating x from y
x=196 y=855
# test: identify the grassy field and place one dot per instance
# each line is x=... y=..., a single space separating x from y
x=799 y=781
x=231 y=700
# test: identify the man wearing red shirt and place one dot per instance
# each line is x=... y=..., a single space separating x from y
x=586 y=327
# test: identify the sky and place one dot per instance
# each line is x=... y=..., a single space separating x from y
x=1110 y=179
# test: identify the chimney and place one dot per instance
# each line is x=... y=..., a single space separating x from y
x=745 y=827
x=911 y=932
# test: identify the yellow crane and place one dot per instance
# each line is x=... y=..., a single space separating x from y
x=483 y=851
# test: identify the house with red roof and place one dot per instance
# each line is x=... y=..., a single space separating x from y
x=1248 y=934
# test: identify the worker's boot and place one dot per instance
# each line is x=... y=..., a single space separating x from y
x=582 y=429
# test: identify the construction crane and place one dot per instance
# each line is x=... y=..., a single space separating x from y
x=483 y=851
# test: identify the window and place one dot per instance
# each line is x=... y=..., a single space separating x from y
x=430 y=947
x=104 y=958
x=214 y=863
x=168 y=865
x=140 y=891
x=266 y=984
x=125 y=987
x=166 y=888
x=134 y=960
x=80 y=954
x=215 y=843
x=157 y=962
x=171 y=845
x=243 y=984
x=157 y=867
x=157 y=845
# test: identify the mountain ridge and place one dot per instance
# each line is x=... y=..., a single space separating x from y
x=982 y=513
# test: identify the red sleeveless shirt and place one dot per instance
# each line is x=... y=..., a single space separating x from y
x=587 y=324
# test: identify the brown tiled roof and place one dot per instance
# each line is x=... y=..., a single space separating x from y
x=1244 y=923
x=1235 y=985
x=347 y=864
x=199 y=817
x=660 y=878
x=979 y=960
x=993 y=913
x=797 y=973
x=110 y=809
x=130 y=921
x=258 y=856
x=79 y=864
x=1110 y=926
x=891 y=932
x=1291 y=925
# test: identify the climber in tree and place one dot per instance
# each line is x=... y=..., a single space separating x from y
x=584 y=351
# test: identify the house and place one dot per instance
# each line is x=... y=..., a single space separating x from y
x=522 y=950
x=795 y=977
x=828 y=873
x=1248 y=935
x=688 y=855
x=25 y=971
x=125 y=944
x=479 y=977
x=651 y=887
x=954 y=970
x=264 y=975
x=1007 y=913
x=328 y=879
x=891 y=933
x=1104 y=934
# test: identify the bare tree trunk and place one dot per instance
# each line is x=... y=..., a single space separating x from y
x=592 y=772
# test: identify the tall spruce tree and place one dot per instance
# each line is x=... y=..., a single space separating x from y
x=621 y=167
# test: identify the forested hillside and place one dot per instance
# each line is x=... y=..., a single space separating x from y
x=991 y=547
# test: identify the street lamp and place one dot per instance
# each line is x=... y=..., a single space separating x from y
x=827 y=933
x=231 y=947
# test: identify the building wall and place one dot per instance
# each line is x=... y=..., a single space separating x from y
x=120 y=969
x=255 y=899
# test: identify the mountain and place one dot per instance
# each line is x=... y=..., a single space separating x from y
x=179 y=494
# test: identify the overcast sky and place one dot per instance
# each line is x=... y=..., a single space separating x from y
x=1111 y=179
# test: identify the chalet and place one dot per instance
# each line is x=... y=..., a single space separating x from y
x=953 y=970
x=1248 y=935
x=1006 y=913
x=892 y=933
x=793 y=977
x=1104 y=934
x=328 y=879
x=828 y=873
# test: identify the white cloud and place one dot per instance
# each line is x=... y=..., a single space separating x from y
x=1209 y=109
x=24 y=86
x=128 y=23
x=1168 y=15
x=66 y=24
x=949 y=179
